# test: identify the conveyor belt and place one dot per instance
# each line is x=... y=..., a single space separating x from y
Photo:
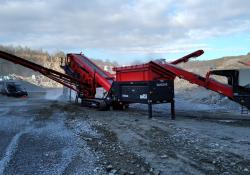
x=93 y=66
x=101 y=77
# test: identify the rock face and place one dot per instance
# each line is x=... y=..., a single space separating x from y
x=37 y=56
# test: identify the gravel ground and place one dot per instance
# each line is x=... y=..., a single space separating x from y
x=41 y=136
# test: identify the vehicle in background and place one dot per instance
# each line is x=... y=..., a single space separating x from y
x=12 y=88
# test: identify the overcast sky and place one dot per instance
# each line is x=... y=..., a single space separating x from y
x=125 y=30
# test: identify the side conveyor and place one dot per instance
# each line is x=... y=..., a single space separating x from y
x=233 y=89
x=89 y=70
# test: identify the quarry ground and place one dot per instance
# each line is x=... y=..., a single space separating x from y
x=41 y=136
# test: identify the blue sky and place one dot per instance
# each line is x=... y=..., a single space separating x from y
x=128 y=31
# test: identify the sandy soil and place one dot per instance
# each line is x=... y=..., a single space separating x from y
x=41 y=136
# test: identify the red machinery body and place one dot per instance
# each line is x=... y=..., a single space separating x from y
x=145 y=72
x=84 y=76
x=87 y=71
x=155 y=71
x=151 y=71
x=167 y=71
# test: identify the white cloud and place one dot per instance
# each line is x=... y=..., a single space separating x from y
x=120 y=25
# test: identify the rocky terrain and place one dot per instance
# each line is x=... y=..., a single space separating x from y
x=41 y=136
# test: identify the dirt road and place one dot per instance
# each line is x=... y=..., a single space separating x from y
x=53 y=137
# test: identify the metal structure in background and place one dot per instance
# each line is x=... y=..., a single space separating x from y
x=150 y=83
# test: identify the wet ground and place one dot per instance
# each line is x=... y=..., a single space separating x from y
x=41 y=136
